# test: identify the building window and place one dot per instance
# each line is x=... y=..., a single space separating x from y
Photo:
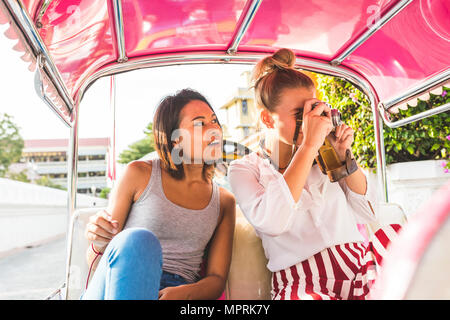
x=58 y=175
x=97 y=157
x=244 y=107
x=57 y=159
x=246 y=131
x=96 y=173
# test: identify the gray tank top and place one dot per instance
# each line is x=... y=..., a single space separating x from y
x=183 y=233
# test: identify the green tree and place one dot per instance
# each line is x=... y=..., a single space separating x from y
x=426 y=139
x=139 y=148
x=47 y=182
x=105 y=193
x=11 y=143
x=20 y=176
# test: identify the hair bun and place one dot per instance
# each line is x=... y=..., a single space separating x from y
x=284 y=58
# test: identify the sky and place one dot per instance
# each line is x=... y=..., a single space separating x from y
x=138 y=93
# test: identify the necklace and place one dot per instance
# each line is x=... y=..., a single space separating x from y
x=266 y=156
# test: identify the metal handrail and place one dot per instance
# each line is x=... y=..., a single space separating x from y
x=416 y=91
x=433 y=82
x=119 y=31
x=243 y=27
x=23 y=21
x=72 y=178
x=39 y=87
x=40 y=13
x=370 y=31
x=425 y=114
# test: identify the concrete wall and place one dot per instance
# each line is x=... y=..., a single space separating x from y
x=32 y=214
x=411 y=184
x=20 y=193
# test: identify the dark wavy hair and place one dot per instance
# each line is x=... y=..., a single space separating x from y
x=166 y=121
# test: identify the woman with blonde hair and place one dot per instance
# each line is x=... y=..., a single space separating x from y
x=308 y=225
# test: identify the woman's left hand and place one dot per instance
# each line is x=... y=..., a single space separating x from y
x=343 y=141
x=174 y=293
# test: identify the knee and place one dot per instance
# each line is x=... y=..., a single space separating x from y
x=136 y=243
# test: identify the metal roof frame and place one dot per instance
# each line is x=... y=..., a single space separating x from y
x=119 y=31
x=23 y=22
x=242 y=28
x=371 y=30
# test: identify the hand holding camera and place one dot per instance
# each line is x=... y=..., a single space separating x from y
x=317 y=123
x=342 y=140
x=334 y=157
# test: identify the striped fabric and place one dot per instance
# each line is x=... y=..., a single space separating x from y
x=342 y=272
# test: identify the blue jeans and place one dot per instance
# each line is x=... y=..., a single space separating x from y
x=131 y=269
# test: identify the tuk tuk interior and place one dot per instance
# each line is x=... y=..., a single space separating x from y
x=394 y=51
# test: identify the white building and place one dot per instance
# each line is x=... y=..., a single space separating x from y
x=48 y=157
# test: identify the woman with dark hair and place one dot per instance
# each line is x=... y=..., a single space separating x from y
x=165 y=214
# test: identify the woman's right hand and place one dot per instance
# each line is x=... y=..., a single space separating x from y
x=316 y=127
x=101 y=229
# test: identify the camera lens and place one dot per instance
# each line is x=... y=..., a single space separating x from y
x=336 y=117
x=335 y=114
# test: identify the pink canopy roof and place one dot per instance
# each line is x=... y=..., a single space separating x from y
x=394 y=45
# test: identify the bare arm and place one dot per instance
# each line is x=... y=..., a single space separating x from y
x=357 y=182
x=105 y=225
x=315 y=128
x=298 y=170
x=344 y=136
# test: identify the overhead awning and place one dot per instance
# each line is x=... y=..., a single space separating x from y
x=395 y=45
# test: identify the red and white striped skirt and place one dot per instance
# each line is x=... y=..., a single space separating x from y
x=345 y=271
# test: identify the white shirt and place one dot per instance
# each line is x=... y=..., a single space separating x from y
x=325 y=215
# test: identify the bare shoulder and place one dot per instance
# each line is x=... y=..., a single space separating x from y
x=137 y=174
x=138 y=166
x=227 y=200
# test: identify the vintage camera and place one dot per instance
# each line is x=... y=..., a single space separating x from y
x=327 y=158
x=335 y=114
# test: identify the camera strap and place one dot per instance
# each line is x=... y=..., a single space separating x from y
x=348 y=167
x=298 y=123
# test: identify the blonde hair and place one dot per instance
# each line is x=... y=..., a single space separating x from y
x=275 y=73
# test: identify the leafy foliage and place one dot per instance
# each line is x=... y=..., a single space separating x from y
x=421 y=140
x=47 y=182
x=105 y=193
x=139 y=148
x=11 y=143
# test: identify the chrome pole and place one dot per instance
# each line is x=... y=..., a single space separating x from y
x=112 y=159
x=371 y=30
x=244 y=25
x=72 y=174
x=425 y=114
x=119 y=30
x=438 y=80
x=40 y=90
x=380 y=152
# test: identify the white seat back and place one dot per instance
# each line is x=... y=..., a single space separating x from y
x=249 y=278
x=388 y=213
x=78 y=268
